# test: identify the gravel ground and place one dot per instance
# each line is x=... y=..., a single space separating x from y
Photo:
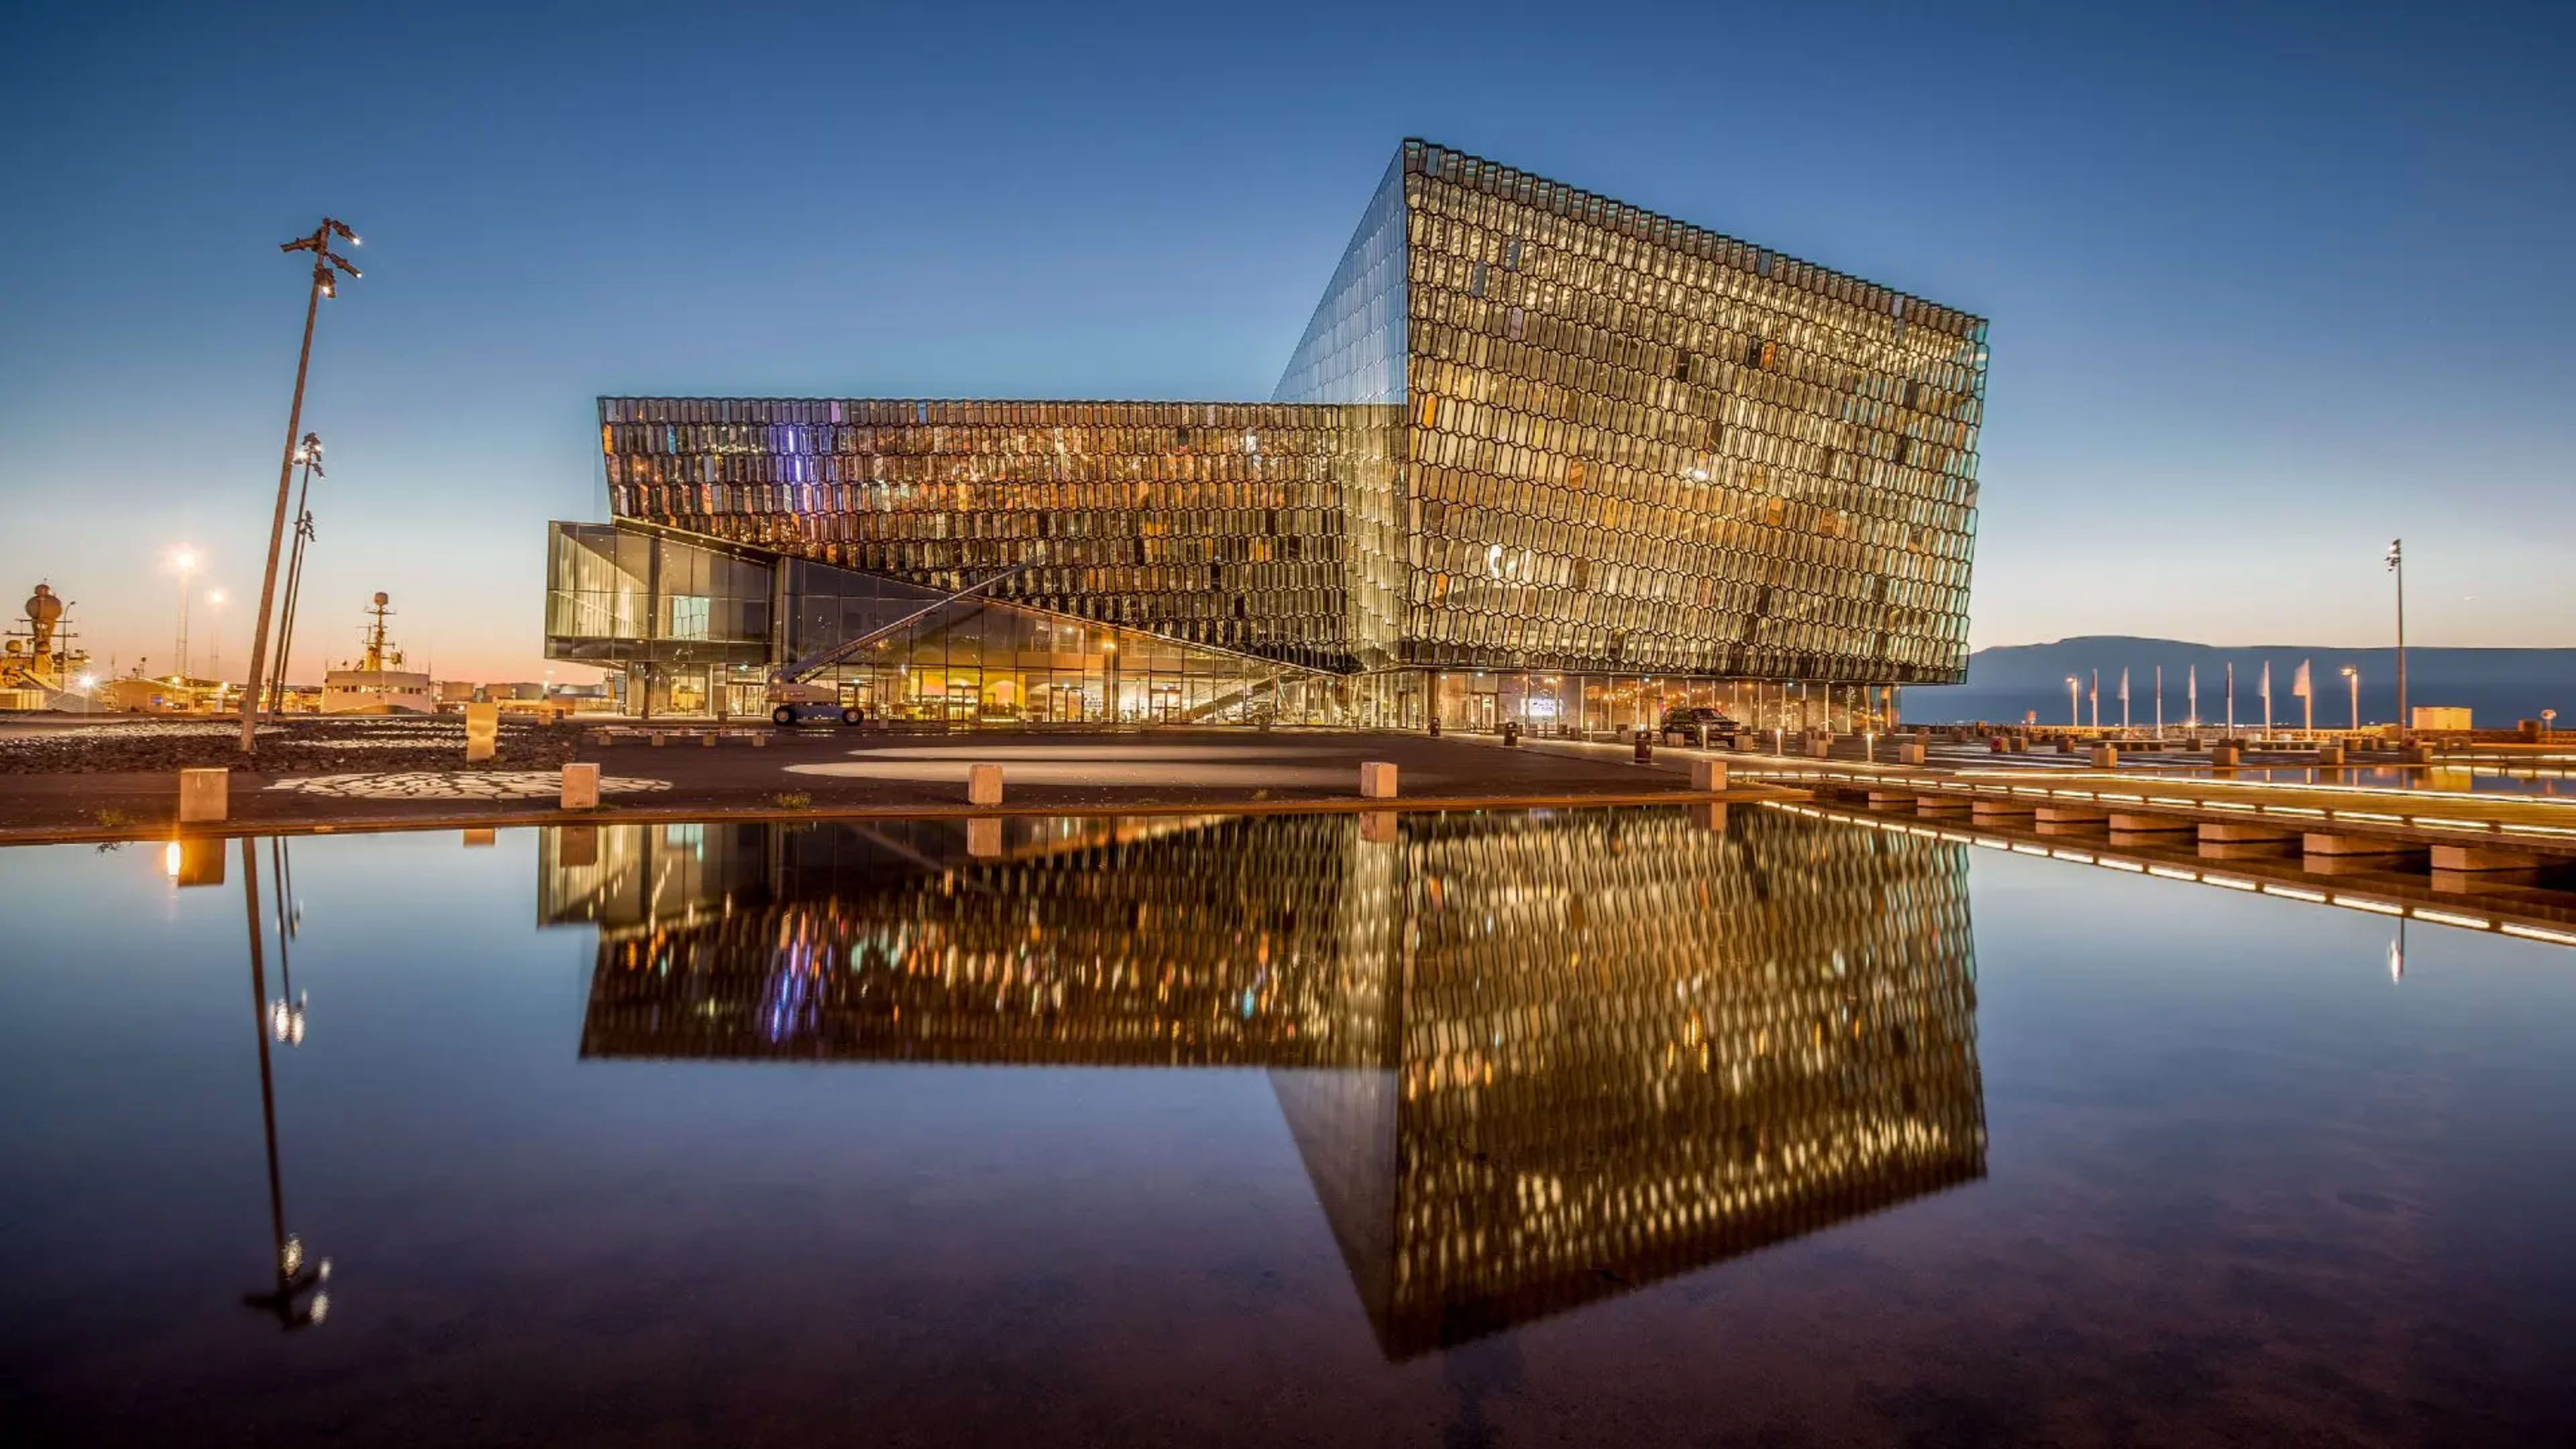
x=288 y=746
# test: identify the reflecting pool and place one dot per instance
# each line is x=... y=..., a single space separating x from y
x=1699 y=1126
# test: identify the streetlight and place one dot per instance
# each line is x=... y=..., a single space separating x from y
x=2397 y=566
x=308 y=453
x=2074 y=714
x=2352 y=676
x=324 y=285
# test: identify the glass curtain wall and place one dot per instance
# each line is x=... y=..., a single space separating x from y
x=1572 y=704
x=1641 y=447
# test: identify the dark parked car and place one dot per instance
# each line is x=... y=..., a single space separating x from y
x=1684 y=725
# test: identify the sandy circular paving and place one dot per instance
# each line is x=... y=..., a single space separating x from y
x=455 y=785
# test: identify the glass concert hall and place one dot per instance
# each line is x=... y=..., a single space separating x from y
x=1539 y=457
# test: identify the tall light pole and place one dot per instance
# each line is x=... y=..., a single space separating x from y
x=308 y=453
x=2352 y=676
x=215 y=651
x=2074 y=711
x=2397 y=566
x=185 y=561
x=324 y=285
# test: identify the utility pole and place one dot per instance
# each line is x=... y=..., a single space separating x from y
x=324 y=285
x=309 y=453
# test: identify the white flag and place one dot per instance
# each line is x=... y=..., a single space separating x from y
x=2267 y=681
x=2299 y=685
x=2124 y=684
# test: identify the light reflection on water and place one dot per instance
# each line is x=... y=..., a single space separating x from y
x=2438 y=779
x=1424 y=1129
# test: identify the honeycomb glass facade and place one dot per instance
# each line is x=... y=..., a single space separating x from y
x=1538 y=455
x=1527 y=1060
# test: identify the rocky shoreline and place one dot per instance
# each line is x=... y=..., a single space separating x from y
x=285 y=746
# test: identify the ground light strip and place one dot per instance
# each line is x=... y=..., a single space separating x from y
x=1960 y=782
x=2369 y=904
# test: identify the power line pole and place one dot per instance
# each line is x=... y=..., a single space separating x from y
x=324 y=285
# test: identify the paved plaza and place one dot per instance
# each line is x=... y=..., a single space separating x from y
x=831 y=770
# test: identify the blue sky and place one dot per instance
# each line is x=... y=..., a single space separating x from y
x=2268 y=284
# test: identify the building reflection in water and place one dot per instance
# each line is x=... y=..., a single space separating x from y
x=1529 y=1060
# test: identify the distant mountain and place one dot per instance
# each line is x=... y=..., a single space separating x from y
x=2500 y=685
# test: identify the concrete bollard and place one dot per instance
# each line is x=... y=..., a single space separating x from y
x=1708 y=775
x=580 y=787
x=2224 y=756
x=2066 y=744
x=984 y=837
x=601 y=739
x=1910 y=752
x=659 y=739
x=760 y=741
x=2416 y=755
x=2105 y=757
x=204 y=795
x=2329 y=754
x=482 y=731
x=709 y=739
x=983 y=784
x=1377 y=780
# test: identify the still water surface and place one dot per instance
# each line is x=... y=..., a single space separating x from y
x=1508 y=1129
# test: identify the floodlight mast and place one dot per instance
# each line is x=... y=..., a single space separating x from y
x=325 y=261
x=309 y=454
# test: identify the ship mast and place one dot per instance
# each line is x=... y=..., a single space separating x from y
x=377 y=611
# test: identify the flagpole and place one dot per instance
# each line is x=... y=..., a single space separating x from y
x=2231 y=699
